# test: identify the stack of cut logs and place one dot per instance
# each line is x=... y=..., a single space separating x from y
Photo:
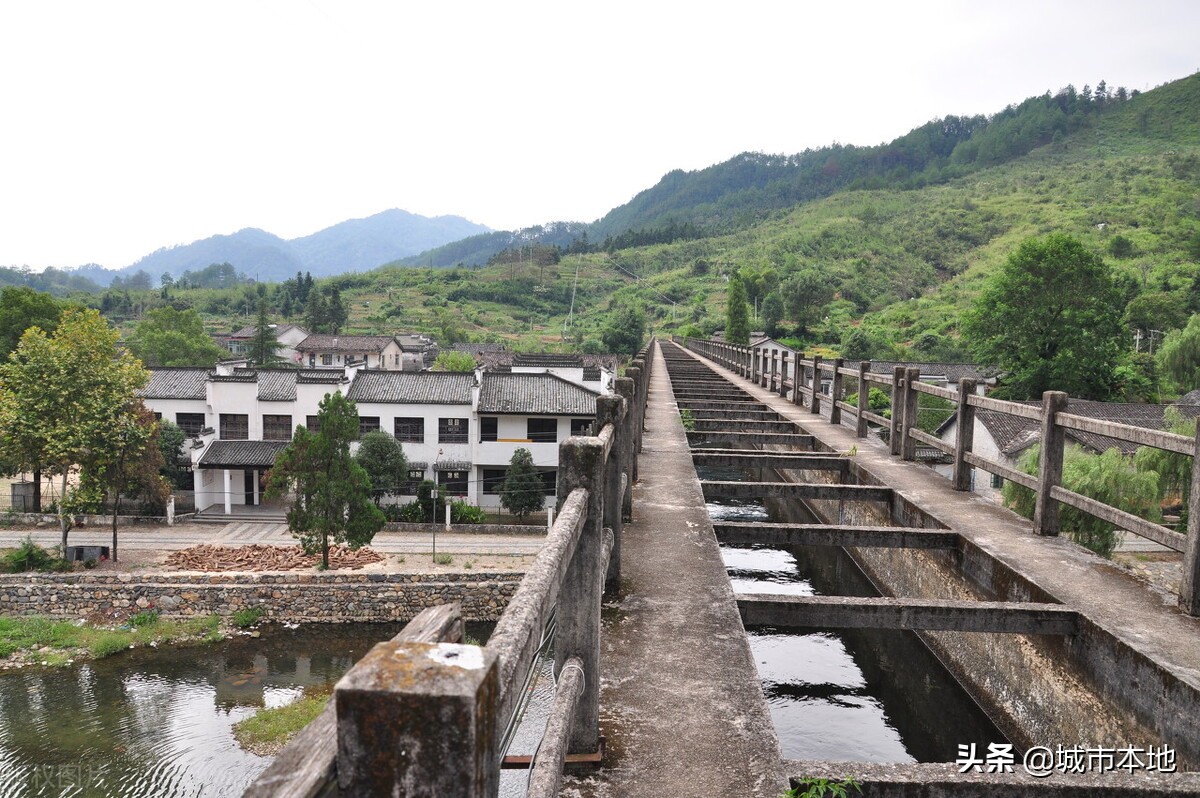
x=207 y=557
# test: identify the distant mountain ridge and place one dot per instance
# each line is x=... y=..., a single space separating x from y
x=350 y=246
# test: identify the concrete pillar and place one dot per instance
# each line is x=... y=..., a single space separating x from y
x=864 y=396
x=964 y=438
x=783 y=373
x=581 y=465
x=835 y=412
x=908 y=444
x=772 y=385
x=448 y=502
x=611 y=410
x=228 y=492
x=1054 y=440
x=641 y=384
x=433 y=735
x=625 y=389
x=814 y=404
x=1189 y=583
x=895 y=427
x=798 y=393
x=255 y=479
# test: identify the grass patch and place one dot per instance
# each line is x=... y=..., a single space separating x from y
x=57 y=642
x=247 y=617
x=268 y=730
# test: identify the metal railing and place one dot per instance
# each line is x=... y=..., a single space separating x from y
x=768 y=367
x=428 y=718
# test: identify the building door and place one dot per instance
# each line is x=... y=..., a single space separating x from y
x=249 y=486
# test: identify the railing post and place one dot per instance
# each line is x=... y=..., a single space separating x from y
x=814 y=403
x=1189 y=583
x=1054 y=439
x=641 y=383
x=798 y=393
x=611 y=410
x=745 y=361
x=773 y=385
x=399 y=734
x=964 y=438
x=754 y=352
x=908 y=450
x=783 y=364
x=626 y=388
x=895 y=427
x=766 y=368
x=864 y=396
x=581 y=465
x=835 y=412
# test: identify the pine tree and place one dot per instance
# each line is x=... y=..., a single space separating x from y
x=737 y=316
x=523 y=491
x=264 y=345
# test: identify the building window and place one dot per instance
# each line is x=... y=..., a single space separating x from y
x=190 y=423
x=158 y=416
x=277 y=428
x=550 y=481
x=396 y=360
x=410 y=430
x=313 y=423
x=493 y=480
x=581 y=426
x=454 y=430
x=326 y=360
x=235 y=427
x=997 y=481
x=542 y=430
x=488 y=426
x=367 y=424
x=455 y=482
x=415 y=477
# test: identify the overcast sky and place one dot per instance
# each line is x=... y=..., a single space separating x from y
x=129 y=126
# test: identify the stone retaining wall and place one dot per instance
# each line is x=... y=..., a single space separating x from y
x=460 y=529
x=326 y=597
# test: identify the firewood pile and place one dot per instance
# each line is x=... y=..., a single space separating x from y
x=207 y=557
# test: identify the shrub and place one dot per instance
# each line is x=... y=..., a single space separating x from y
x=28 y=556
x=463 y=513
x=412 y=512
x=443 y=559
x=687 y=419
x=247 y=617
x=144 y=618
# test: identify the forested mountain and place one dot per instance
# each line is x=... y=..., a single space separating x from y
x=747 y=187
x=351 y=246
x=479 y=249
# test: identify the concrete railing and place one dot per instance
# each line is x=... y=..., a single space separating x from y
x=421 y=717
x=768 y=367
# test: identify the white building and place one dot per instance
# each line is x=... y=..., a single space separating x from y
x=460 y=430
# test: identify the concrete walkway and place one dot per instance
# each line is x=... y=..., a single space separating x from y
x=681 y=704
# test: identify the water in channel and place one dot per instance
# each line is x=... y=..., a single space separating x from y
x=158 y=722
x=860 y=695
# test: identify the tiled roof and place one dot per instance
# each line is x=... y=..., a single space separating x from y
x=175 y=383
x=1013 y=435
x=276 y=385
x=412 y=342
x=344 y=343
x=1189 y=398
x=547 y=359
x=241 y=454
x=412 y=387
x=327 y=376
x=534 y=394
x=477 y=349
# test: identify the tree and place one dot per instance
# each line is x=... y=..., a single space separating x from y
x=61 y=397
x=806 y=293
x=170 y=337
x=523 y=491
x=737 y=316
x=1158 y=310
x=856 y=344
x=264 y=344
x=454 y=361
x=332 y=491
x=1174 y=470
x=772 y=313
x=176 y=467
x=382 y=457
x=1050 y=320
x=625 y=330
x=316 y=313
x=130 y=466
x=1179 y=356
x=21 y=308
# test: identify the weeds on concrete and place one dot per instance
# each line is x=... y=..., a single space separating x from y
x=814 y=787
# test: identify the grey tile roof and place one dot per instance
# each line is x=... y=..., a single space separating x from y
x=547 y=359
x=175 y=383
x=344 y=343
x=277 y=385
x=412 y=342
x=534 y=394
x=241 y=454
x=412 y=387
x=1189 y=398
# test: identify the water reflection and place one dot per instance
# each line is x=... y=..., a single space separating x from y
x=159 y=723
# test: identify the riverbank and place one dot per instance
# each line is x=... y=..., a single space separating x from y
x=41 y=641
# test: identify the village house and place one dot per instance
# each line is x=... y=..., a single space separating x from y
x=459 y=430
x=286 y=335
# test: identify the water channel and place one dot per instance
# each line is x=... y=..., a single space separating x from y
x=844 y=694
